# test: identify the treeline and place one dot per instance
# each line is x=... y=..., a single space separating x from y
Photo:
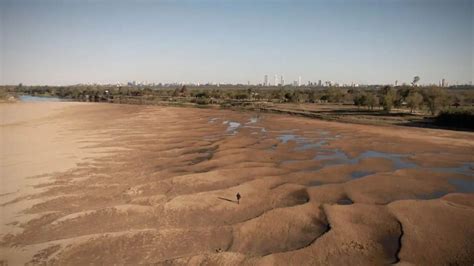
x=431 y=99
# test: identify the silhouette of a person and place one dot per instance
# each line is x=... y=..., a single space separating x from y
x=238 y=197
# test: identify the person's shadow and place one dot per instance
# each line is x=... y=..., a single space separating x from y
x=229 y=200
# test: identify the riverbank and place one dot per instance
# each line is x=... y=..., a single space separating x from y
x=36 y=142
x=413 y=106
x=162 y=190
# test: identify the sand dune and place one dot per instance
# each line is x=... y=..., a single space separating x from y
x=124 y=184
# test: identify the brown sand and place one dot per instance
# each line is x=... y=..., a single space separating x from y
x=127 y=184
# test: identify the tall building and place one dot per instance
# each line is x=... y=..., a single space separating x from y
x=265 y=80
x=299 y=81
x=282 y=81
x=319 y=83
x=276 y=80
x=443 y=83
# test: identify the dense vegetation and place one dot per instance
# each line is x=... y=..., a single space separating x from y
x=6 y=95
x=457 y=118
x=429 y=100
x=386 y=97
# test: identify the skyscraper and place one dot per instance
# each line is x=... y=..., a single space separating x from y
x=320 y=83
x=265 y=80
x=299 y=81
x=443 y=83
x=276 y=80
x=282 y=81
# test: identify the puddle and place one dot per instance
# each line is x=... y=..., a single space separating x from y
x=302 y=143
x=435 y=195
x=395 y=158
x=340 y=157
x=464 y=169
x=345 y=201
x=232 y=127
x=360 y=174
x=330 y=157
x=462 y=185
x=287 y=137
x=309 y=146
x=336 y=157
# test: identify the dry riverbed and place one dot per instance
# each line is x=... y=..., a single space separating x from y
x=128 y=184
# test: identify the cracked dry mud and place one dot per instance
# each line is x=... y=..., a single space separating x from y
x=161 y=189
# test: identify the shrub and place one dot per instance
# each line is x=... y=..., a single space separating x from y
x=459 y=118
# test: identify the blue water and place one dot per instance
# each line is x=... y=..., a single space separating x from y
x=302 y=143
x=28 y=98
x=329 y=157
x=232 y=127
x=360 y=174
x=435 y=195
x=345 y=201
x=462 y=185
x=340 y=157
x=464 y=169
x=288 y=137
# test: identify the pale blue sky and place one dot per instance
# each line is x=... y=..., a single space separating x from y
x=72 y=41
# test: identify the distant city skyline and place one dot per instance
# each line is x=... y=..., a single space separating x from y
x=279 y=81
x=362 y=42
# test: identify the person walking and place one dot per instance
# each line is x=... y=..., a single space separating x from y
x=238 y=197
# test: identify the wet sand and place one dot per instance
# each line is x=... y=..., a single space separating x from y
x=124 y=184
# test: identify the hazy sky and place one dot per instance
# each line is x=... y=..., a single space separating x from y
x=72 y=41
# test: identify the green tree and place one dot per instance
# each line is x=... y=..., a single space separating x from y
x=388 y=98
x=414 y=100
x=312 y=96
x=360 y=100
x=401 y=95
x=278 y=95
x=435 y=98
x=371 y=100
x=335 y=95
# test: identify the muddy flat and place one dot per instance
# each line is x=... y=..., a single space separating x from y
x=126 y=184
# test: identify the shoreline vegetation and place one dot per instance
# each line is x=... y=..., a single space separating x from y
x=430 y=106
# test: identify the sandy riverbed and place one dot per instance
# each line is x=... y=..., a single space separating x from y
x=123 y=184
